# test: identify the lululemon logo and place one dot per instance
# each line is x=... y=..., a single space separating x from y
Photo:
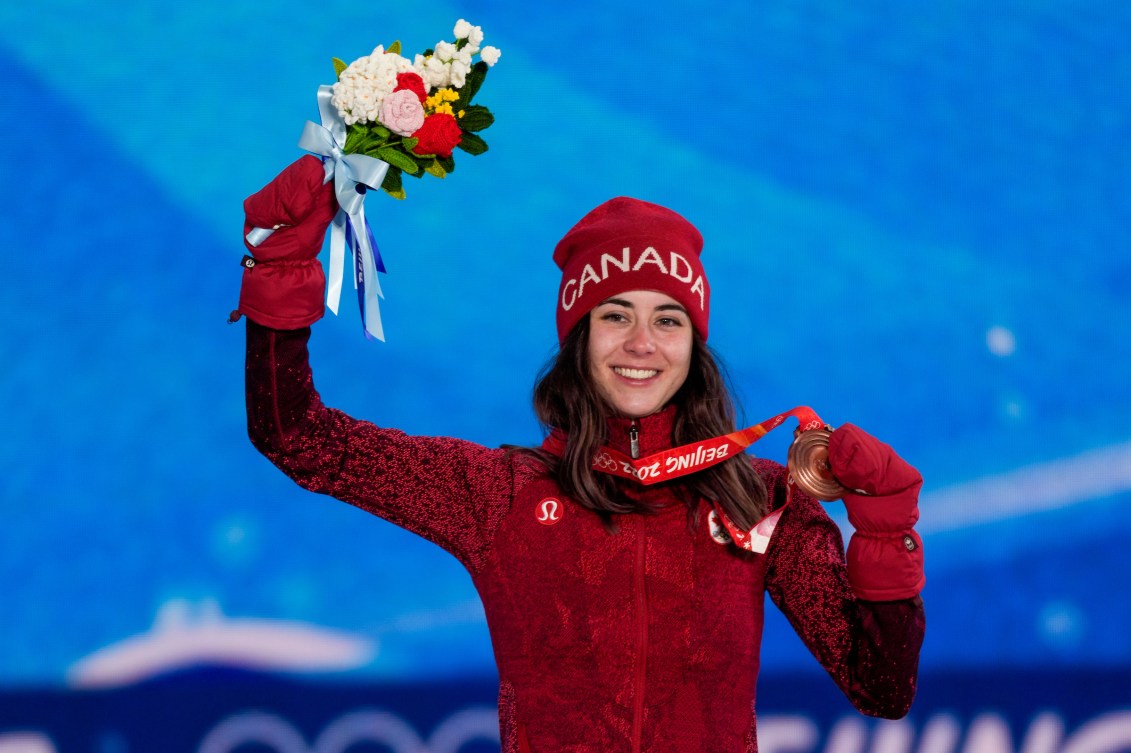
x=549 y=511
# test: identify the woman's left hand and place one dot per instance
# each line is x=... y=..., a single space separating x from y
x=863 y=463
x=882 y=501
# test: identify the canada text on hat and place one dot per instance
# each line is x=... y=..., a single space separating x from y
x=628 y=244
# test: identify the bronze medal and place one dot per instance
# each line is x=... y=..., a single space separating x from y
x=808 y=463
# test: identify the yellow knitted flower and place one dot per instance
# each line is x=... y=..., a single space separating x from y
x=440 y=99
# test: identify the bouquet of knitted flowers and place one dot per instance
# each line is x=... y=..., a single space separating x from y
x=413 y=115
x=386 y=117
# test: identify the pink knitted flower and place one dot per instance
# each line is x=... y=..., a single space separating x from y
x=402 y=113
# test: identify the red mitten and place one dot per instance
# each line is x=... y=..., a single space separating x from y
x=885 y=555
x=283 y=282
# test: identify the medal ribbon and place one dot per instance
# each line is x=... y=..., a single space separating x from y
x=688 y=458
x=695 y=456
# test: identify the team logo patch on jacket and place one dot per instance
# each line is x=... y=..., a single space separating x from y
x=549 y=511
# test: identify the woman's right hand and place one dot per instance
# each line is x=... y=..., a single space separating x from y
x=283 y=282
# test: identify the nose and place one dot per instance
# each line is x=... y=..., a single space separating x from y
x=639 y=340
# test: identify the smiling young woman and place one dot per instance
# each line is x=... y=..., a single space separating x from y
x=619 y=620
x=639 y=351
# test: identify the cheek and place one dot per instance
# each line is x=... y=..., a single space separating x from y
x=592 y=355
x=679 y=351
x=595 y=372
x=600 y=344
x=594 y=363
x=680 y=360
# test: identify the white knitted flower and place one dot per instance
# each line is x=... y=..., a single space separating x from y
x=459 y=71
x=490 y=55
x=364 y=84
x=445 y=51
x=475 y=36
x=435 y=73
x=463 y=29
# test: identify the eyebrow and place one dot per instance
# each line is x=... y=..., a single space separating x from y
x=628 y=305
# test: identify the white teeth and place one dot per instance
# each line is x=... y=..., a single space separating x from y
x=636 y=373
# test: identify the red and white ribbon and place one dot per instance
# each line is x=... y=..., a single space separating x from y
x=695 y=456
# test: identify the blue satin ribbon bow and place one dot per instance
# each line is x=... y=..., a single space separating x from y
x=349 y=227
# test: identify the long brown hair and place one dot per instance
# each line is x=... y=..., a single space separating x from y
x=566 y=398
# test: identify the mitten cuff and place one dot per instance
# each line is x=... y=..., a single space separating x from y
x=281 y=294
x=886 y=567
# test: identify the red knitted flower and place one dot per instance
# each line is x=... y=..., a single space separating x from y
x=439 y=135
x=414 y=83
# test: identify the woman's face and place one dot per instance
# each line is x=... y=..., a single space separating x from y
x=639 y=350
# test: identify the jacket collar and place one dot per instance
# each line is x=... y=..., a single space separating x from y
x=654 y=432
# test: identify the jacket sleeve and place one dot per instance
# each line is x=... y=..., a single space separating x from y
x=452 y=492
x=869 y=648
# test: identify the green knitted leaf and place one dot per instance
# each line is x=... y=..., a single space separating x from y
x=339 y=66
x=472 y=82
x=476 y=118
x=354 y=136
x=410 y=143
x=394 y=48
x=448 y=163
x=472 y=144
x=397 y=158
x=392 y=183
x=366 y=138
x=361 y=139
x=435 y=168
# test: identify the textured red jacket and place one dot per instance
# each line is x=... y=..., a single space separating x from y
x=646 y=638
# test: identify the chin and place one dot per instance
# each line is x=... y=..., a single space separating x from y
x=637 y=411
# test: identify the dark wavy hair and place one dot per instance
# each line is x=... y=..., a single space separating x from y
x=566 y=398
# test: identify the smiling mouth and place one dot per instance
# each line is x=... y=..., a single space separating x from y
x=635 y=373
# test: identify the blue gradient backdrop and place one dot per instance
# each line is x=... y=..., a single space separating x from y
x=915 y=217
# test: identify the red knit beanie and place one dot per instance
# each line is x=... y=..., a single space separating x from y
x=628 y=244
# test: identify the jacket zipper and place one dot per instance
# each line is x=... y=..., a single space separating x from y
x=634 y=440
x=641 y=640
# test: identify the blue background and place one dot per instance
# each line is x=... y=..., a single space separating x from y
x=915 y=220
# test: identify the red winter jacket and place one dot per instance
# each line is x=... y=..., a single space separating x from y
x=646 y=638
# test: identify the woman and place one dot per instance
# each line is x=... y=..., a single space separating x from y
x=618 y=620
